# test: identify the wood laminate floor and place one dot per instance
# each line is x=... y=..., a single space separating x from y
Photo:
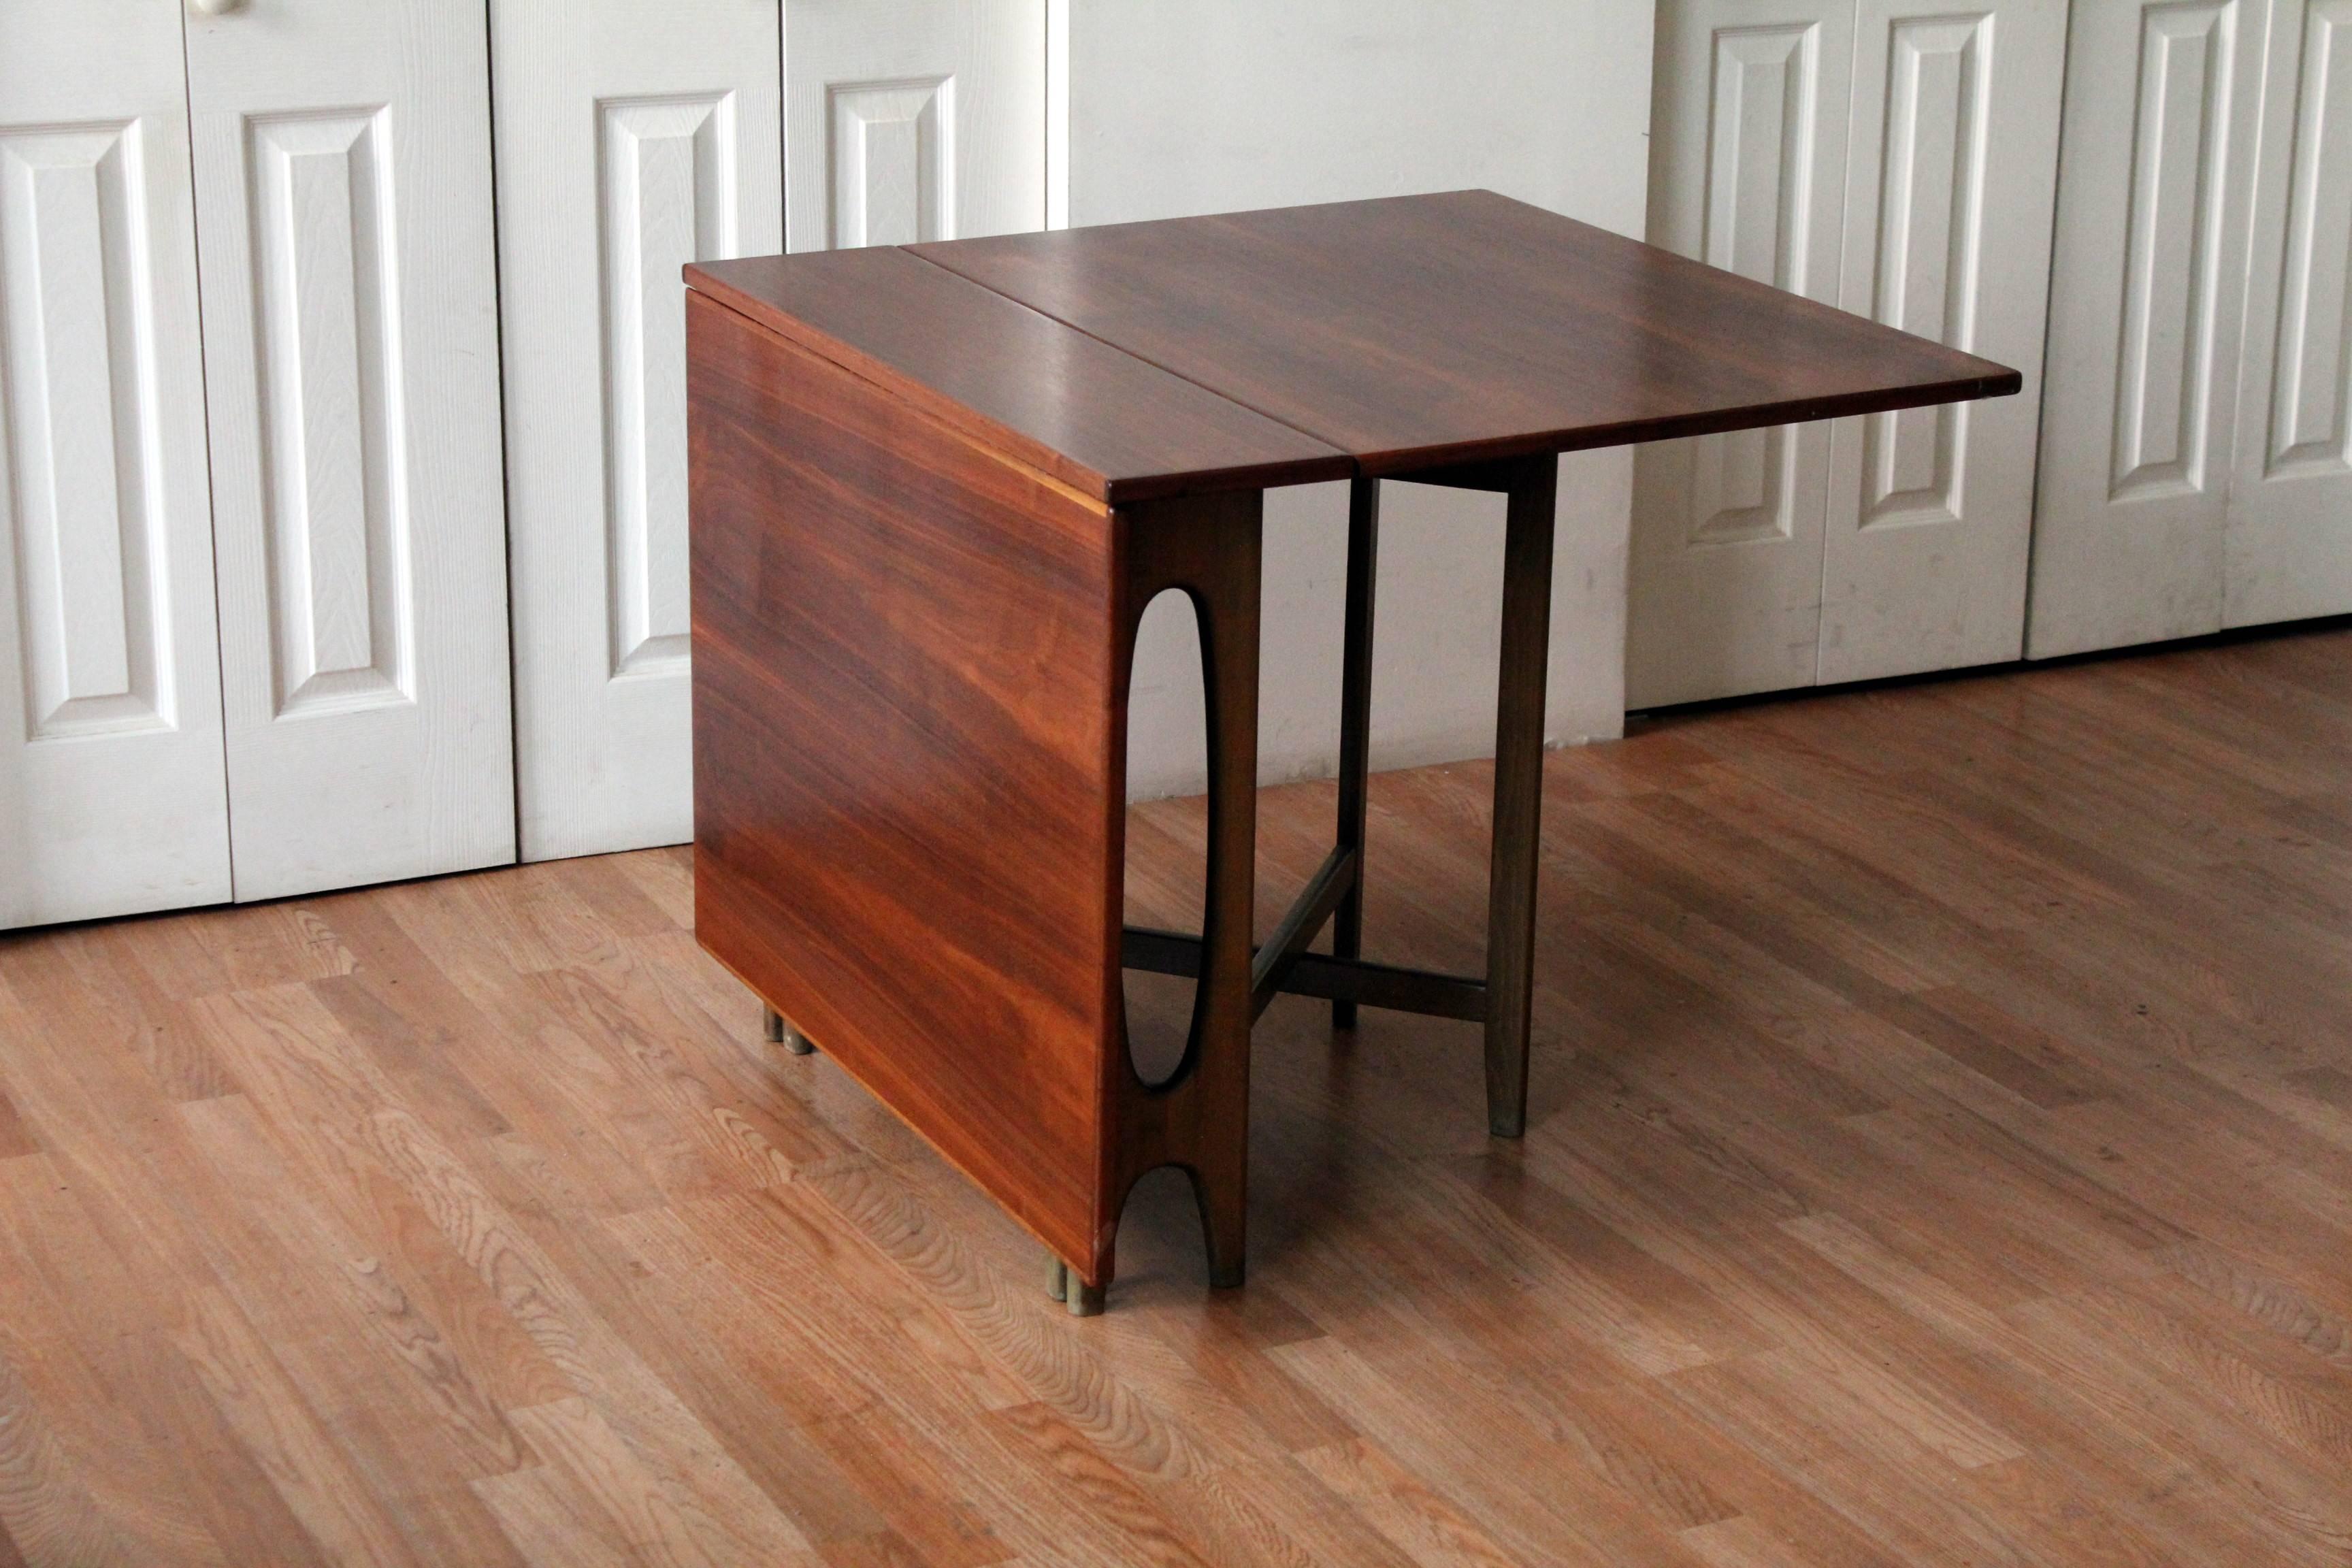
x=1941 y=1153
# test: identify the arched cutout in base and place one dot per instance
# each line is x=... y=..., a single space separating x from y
x=1167 y=754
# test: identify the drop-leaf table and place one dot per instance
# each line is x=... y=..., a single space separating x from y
x=933 y=488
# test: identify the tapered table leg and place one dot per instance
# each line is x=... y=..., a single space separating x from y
x=1356 y=721
x=1518 y=792
x=1226 y=1008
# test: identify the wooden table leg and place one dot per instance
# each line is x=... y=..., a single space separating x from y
x=1199 y=1119
x=1518 y=792
x=1356 y=722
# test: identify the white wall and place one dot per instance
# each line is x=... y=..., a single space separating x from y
x=1225 y=105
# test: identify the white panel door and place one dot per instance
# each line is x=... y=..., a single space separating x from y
x=2290 y=517
x=627 y=146
x=111 y=796
x=1748 y=172
x=342 y=163
x=2147 y=288
x=913 y=120
x=1948 y=216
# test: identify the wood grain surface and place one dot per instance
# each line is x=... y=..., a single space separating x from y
x=1940 y=1150
x=905 y=781
x=1416 y=330
x=1021 y=383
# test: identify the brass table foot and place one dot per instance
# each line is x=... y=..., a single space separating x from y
x=1084 y=1300
x=780 y=1033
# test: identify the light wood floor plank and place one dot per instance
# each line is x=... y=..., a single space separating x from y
x=1940 y=1153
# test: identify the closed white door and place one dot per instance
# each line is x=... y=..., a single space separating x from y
x=1948 y=216
x=343 y=161
x=627 y=146
x=1747 y=164
x=2148 y=287
x=111 y=796
x=913 y=120
x=2289 y=550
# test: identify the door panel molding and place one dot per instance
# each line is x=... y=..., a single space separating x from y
x=2172 y=250
x=913 y=120
x=2310 y=422
x=79 y=326
x=333 y=431
x=892 y=162
x=1759 y=216
x=1931 y=241
x=668 y=196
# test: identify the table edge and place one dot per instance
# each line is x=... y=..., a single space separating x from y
x=1004 y=439
x=1401 y=463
